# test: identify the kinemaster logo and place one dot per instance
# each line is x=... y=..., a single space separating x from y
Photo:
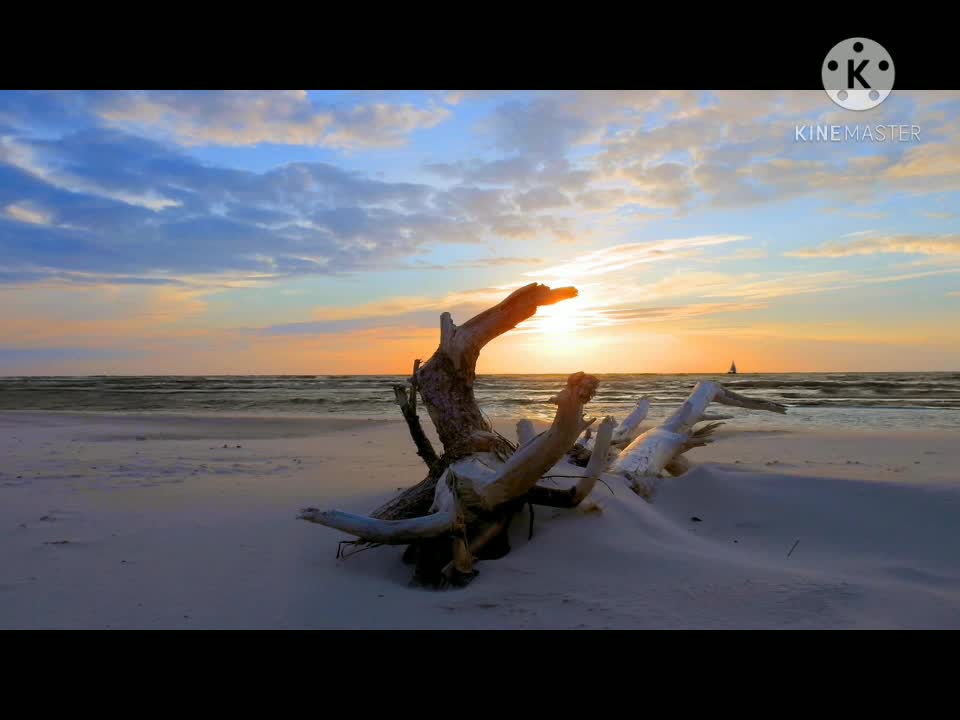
x=858 y=74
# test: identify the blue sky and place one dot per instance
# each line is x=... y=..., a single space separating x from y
x=324 y=231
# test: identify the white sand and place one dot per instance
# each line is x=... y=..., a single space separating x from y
x=99 y=529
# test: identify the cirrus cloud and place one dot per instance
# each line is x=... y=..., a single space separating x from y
x=948 y=244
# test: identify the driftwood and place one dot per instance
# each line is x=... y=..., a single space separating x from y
x=406 y=398
x=463 y=508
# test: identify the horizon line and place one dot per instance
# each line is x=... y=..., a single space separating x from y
x=515 y=374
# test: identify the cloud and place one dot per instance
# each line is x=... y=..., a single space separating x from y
x=589 y=311
x=399 y=311
x=541 y=127
x=55 y=277
x=901 y=244
x=659 y=149
x=759 y=287
x=667 y=313
x=620 y=257
x=587 y=319
x=489 y=262
x=541 y=198
x=515 y=170
x=738 y=149
x=381 y=125
x=123 y=215
x=929 y=162
x=73 y=174
x=661 y=185
x=26 y=214
x=249 y=117
x=124 y=205
x=747 y=287
x=103 y=184
x=789 y=284
x=729 y=149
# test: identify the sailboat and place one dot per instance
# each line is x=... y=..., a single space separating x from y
x=733 y=369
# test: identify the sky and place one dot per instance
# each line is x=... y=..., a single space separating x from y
x=323 y=232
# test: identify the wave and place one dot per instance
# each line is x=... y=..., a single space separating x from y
x=840 y=398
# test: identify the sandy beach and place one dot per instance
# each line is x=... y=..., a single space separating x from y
x=152 y=521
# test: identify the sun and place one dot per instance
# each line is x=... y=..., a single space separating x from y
x=559 y=319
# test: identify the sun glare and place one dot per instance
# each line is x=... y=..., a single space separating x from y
x=560 y=319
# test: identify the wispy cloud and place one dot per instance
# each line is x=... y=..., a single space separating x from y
x=801 y=283
x=620 y=257
x=902 y=244
x=24 y=157
x=27 y=214
x=756 y=287
x=627 y=314
x=489 y=262
x=396 y=311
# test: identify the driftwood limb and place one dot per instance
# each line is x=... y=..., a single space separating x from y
x=642 y=461
x=385 y=532
x=446 y=379
x=446 y=383
x=406 y=398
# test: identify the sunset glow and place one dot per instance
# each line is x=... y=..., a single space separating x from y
x=314 y=232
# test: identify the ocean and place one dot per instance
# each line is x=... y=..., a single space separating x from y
x=904 y=401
